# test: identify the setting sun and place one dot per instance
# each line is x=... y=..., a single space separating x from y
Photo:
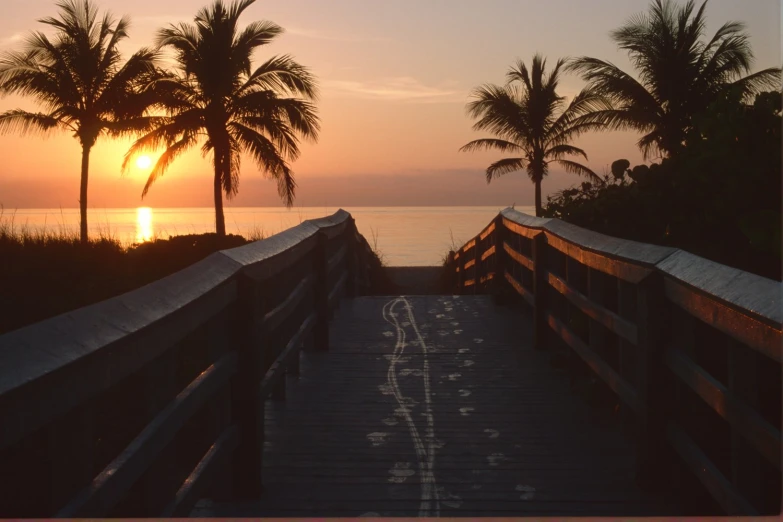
x=143 y=162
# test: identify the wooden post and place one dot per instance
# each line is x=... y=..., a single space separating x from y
x=247 y=406
x=460 y=261
x=321 y=287
x=540 y=284
x=350 y=257
x=500 y=255
x=595 y=291
x=651 y=389
x=743 y=384
x=626 y=351
x=71 y=441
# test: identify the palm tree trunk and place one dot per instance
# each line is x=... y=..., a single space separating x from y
x=83 y=194
x=220 y=219
x=539 y=210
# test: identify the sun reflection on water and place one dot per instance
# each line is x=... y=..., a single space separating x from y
x=143 y=224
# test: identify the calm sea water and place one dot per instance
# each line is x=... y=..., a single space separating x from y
x=406 y=236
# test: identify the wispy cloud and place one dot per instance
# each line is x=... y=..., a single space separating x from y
x=320 y=35
x=12 y=40
x=400 y=88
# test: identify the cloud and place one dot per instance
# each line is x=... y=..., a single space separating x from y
x=320 y=35
x=400 y=88
x=11 y=40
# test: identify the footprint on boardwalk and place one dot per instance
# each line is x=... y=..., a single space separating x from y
x=454 y=376
x=478 y=341
x=468 y=363
x=443 y=333
x=400 y=472
x=464 y=393
x=406 y=323
x=465 y=411
x=448 y=309
x=387 y=333
x=496 y=458
x=377 y=438
x=463 y=350
x=411 y=371
x=454 y=323
x=457 y=332
x=493 y=434
x=385 y=389
x=527 y=492
x=440 y=316
x=390 y=422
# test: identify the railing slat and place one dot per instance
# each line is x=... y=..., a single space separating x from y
x=709 y=475
x=112 y=483
x=603 y=370
x=281 y=312
x=203 y=474
x=611 y=320
x=277 y=370
x=518 y=257
x=488 y=252
x=526 y=295
x=764 y=436
x=749 y=331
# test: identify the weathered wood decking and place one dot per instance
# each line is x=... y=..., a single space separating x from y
x=471 y=422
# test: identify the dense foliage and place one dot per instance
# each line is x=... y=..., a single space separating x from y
x=719 y=198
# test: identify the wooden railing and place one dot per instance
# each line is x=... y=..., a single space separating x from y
x=692 y=347
x=135 y=406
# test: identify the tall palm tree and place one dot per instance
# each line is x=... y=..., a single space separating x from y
x=679 y=74
x=77 y=75
x=528 y=117
x=215 y=94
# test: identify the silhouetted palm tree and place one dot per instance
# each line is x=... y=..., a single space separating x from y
x=527 y=116
x=679 y=74
x=79 y=78
x=214 y=93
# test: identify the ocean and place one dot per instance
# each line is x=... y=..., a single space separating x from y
x=405 y=236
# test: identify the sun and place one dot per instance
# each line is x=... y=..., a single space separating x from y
x=143 y=162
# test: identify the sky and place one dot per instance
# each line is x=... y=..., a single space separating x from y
x=394 y=80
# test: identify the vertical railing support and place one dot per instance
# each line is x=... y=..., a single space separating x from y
x=652 y=391
x=350 y=257
x=499 y=280
x=247 y=406
x=540 y=284
x=460 y=262
x=321 y=269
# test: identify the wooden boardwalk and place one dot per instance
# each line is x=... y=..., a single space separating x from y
x=429 y=406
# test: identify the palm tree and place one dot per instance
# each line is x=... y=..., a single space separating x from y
x=214 y=94
x=78 y=77
x=679 y=74
x=528 y=117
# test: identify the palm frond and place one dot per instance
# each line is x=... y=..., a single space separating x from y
x=24 y=123
x=504 y=166
x=491 y=144
x=573 y=167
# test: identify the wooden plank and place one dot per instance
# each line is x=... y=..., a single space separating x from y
x=709 y=475
x=521 y=290
x=740 y=326
x=469 y=282
x=281 y=312
x=764 y=437
x=114 y=481
x=487 y=231
x=627 y=271
x=277 y=369
x=469 y=264
x=612 y=321
x=488 y=252
x=489 y=277
x=203 y=475
x=467 y=246
x=518 y=257
x=751 y=294
x=520 y=230
x=603 y=370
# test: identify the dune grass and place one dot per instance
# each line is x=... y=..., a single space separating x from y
x=46 y=272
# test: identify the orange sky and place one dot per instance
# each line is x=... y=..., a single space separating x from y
x=394 y=76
